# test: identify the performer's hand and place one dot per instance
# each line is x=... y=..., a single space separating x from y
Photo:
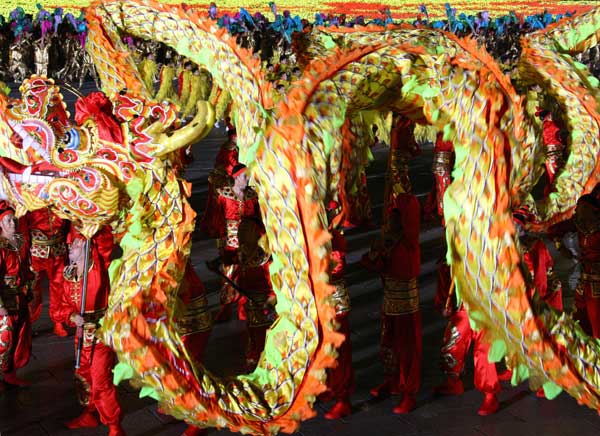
x=3 y=311
x=77 y=320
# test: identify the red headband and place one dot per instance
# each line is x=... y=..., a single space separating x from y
x=5 y=208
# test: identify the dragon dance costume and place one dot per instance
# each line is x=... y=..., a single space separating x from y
x=220 y=176
x=230 y=211
x=458 y=338
x=587 y=296
x=458 y=335
x=195 y=323
x=554 y=147
x=15 y=327
x=399 y=263
x=540 y=265
x=252 y=275
x=48 y=253
x=340 y=379
x=94 y=379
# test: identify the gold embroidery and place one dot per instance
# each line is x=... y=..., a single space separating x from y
x=442 y=162
x=196 y=318
x=256 y=313
x=594 y=281
x=44 y=247
x=400 y=296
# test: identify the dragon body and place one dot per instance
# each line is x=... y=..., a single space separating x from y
x=298 y=151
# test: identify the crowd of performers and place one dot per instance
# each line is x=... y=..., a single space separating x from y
x=42 y=245
x=53 y=43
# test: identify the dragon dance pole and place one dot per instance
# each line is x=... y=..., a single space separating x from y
x=86 y=262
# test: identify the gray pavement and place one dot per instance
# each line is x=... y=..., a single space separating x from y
x=43 y=407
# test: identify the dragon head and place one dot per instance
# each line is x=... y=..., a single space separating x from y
x=49 y=162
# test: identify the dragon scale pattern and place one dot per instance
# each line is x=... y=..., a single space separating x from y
x=457 y=88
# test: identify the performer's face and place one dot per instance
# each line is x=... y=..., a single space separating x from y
x=241 y=181
x=76 y=251
x=8 y=224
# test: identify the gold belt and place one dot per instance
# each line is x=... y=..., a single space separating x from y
x=400 y=297
x=593 y=280
x=590 y=277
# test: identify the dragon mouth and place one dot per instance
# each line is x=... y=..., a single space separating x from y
x=33 y=179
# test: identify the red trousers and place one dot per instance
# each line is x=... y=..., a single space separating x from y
x=228 y=295
x=587 y=310
x=52 y=267
x=15 y=341
x=457 y=341
x=94 y=380
x=340 y=380
x=401 y=351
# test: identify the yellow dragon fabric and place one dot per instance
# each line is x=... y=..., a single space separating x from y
x=298 y=151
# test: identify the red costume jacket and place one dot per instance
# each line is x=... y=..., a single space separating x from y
x=220 y=177
x=539 y=263
x=231 y=210
x=95 y=388
x=554 y=147
x=48 y=250
x=588 y=292
x=443 y=162
x=399 y=263
x=15 y=328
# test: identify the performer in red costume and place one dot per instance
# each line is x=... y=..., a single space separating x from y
x=554 y=147
x=458 y=338
x=253 y=276
x=443 y=161
x=234 y=203
x=587 y=296
x=398 y=259
x=539 y=263
x=48 y=254
x=220 y=177
x=15 y=326
x=340 y=380
x=403 y=148
x=195 y=324
x=94 y=380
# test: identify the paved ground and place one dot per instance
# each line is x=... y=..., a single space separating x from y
x=42 y=408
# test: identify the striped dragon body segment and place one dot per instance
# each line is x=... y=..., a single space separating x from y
x=433 y=78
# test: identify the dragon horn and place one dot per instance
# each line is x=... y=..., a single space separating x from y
x=191 y=133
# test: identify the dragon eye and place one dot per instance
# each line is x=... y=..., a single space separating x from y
x=72 y=139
